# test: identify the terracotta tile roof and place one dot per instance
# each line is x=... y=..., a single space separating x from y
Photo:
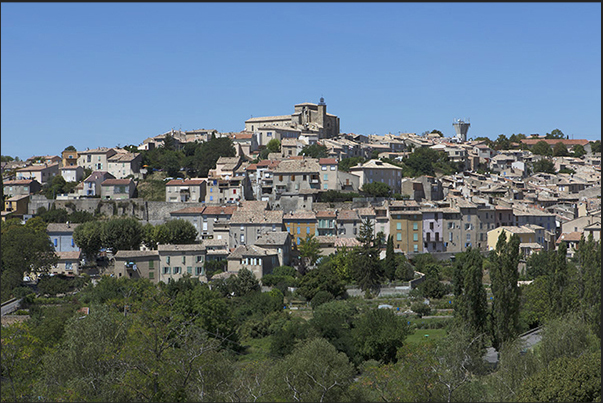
x=325 y=214
x=180 y=248
x=188 y=210
x=300 y=215
x=347 y=215
x=273 y=238
x=253 y=205
x=33 y=168
x=60 y=227
x=20 y=182
x=250 y=250
x=570 y=237
x=185 y=182
x=327 y=161
x=257 y=217
x=72 y=255
x=111 y=182
x=127 y=254
x=219 y=210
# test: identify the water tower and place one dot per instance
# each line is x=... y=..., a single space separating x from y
x=461 y=127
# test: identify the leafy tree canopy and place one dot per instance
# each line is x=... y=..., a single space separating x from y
x=315 y=151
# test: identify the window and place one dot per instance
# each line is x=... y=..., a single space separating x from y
x=431 y=226
x=55 y=242
x=325 y=186
x=292 y=177
x=183 y=259
x=308 y=230
x=199 y=271
x=398 y=225
x=468 y=237
x=211 y=198
x=415 y=237
x=325 y=177
x=450 y=236
x=398 y=236
x=333 y=167
x=416 y=248
x=298 y=230
x=167 y=259
x=242 y=238
x=151 y=275
x=324 y=167
x=166 y=270
x=176 y=270
x=280 y=178
x=151 y=264
x=415 y=226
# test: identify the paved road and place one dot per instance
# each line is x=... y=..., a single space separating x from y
x=10 y=307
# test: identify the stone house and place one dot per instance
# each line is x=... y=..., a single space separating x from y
x=125 y=164
x=258 y=260
x=186 y=190
x=23 y=187
x=177 y=260
x=206 y=219
x=137 y=264
x=68 y=263
x=91 y=186
x=61 y=236
x=300 y=224
x=247 y=226
x=348 y=223
x=406 y=225
x=15 y=207
x=326 y=223
x=72 y=173
x=117 y=189
x=379 y=171
x=42 y=173
x=96 y=159
x=279 y=242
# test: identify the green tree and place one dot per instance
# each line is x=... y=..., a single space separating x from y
x=346 y=163
x=122 y=234
x=21 y=352
x=24 y=250
x=88 y=237
x=595 y=146
x=542 y=148
x=207 y=154
x=367 y=270
x=274 y=146
x=470 y=304
x=432 y=287
x=410 y=379
x=320 y=279
x=438 y=132
x=377 y=189
x=334 y=320
x=505 y=291
x=389 y=263
x=565 y=380
x=588 y=261
x=315 y=151
x=309 y=252
x=560 y=150
x=378 y=333
x=342 y=263
x=502 y=143
x=181 y=231
x=544 y=165
x=314 y=372
x=554 y=135
x=578 y=151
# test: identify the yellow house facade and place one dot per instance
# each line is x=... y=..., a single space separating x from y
x=526 y=235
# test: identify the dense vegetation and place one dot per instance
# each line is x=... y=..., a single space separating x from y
x=229 y=341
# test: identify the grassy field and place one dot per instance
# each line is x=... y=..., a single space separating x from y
x=421 y=335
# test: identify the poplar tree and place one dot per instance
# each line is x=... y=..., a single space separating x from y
x=367 y=270
x=470 y=303
x=389 y=264
x=505 y=291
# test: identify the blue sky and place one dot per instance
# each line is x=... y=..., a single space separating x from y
x=109 y=74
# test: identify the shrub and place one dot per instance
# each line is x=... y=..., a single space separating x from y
x=420 y=308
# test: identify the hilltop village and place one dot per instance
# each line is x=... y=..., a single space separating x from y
x=285 y=179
